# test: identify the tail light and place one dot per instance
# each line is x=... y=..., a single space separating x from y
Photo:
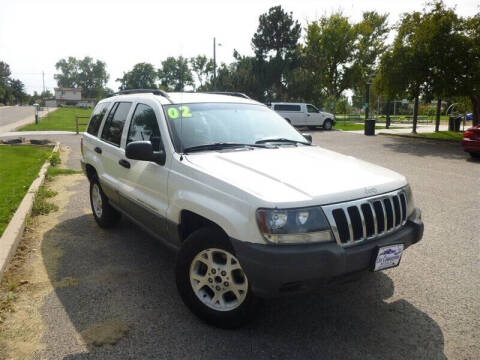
x=468 y=134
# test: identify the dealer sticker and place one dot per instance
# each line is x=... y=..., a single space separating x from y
x=388 y=256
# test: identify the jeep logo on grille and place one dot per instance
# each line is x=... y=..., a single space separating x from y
x=370 y=190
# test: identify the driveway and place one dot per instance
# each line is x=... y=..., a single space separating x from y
x=120 y=282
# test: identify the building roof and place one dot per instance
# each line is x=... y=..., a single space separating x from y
x=65 y=88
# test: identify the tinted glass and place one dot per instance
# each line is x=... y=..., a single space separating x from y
x=144 y=126
x=312 y=109
x=209 y=123
x=96 y=119
x=285 y=107
x=112 y=130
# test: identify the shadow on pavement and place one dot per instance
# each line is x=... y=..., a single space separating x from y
x=124 y=275
x=421 y=147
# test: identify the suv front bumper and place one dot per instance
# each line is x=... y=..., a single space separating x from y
x=274 y=270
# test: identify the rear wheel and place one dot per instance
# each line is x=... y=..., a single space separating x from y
x=105 y=215
x=328 y=124
x=211 y=280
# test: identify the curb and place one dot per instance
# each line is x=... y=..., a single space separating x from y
x=14 y=230
x=422 y=138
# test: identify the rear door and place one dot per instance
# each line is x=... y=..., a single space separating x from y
x=144 y=183
x=110 y=150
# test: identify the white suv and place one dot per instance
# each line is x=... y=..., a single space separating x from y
x=253 y=208
x=301 y=114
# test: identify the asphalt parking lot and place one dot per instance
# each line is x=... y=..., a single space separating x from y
x=428 y=308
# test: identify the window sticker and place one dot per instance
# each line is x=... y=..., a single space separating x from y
x=183 y=111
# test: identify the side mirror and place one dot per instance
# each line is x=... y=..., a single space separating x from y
x=308 y=137
x=143 y=150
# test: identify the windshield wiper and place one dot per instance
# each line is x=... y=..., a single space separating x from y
x=284 y=140
x=220 y=146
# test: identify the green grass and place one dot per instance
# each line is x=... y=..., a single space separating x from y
x=53 y=171
x=62 y=119
x=19 y=166
x=441 y=135
x=351 y=126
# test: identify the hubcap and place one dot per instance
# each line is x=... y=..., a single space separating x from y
x=97 y=200
x=328 y=125
x=218 y=280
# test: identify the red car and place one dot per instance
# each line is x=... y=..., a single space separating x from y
x=471 y=141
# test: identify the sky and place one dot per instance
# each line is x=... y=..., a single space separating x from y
x=35 y=34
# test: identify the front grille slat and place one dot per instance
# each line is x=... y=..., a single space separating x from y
x=359 y=220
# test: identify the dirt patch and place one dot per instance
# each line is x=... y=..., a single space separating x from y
x=26 y=281
x=105 y=333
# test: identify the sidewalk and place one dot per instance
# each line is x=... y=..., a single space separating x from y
x=25 y=121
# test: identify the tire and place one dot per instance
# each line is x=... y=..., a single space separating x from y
x=200 y=263
x=105 y=215
x=475 y=155
x=327 y=124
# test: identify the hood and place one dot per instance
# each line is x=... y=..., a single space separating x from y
x=297 y=176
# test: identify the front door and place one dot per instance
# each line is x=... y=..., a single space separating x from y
x=314 y=116
x=144 y=185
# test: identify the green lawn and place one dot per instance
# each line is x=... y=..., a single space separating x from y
x=19 y=166
x=351 y=126
x=62 y=119
x=441 y=135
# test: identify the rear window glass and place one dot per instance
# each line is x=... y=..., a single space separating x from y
x=113 y=128
x=96 y=119
x=286 y=107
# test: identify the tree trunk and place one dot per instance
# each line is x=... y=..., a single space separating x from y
x=415 y=115
x=437 y=119
x=476 y=109
x=389 y=108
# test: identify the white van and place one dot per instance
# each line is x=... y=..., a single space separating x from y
x=301 y=114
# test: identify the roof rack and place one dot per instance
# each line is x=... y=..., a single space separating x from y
x=145 y=91
x=230 y=93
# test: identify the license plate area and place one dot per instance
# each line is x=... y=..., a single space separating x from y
x=387 y=257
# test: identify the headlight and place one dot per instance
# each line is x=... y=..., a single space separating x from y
x=410 y=201
x=287 y=226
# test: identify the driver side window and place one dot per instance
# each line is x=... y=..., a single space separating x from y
x=144 y=127
x=311 y=109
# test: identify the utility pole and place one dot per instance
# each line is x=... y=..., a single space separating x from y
x=214 y=64
x=43 y=81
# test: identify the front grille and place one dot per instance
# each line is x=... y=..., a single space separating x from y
x=356 y=221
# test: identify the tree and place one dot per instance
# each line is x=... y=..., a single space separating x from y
x=142 y=76
x=203 y=69
x=329 y=53
x=86 y=73
x=175 y=74
x=275 y=47
x=370 y=34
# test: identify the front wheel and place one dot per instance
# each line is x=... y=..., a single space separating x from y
x=327 y=124
x=211 y=280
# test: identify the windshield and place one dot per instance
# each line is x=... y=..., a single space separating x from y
x=195 y=125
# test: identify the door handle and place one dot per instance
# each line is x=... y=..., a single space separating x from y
x=124 y=163
x=98 y=150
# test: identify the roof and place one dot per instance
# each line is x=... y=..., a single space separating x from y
x=65 y=88
x=187 y=98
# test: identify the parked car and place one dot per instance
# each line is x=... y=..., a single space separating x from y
x=469 y=117
x=252 y=207
x=300 y=114
x=471 y=141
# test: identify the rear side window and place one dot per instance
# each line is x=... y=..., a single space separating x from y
x=144 y=126
x=112 y=130
x=96 y=119
x=286 y=107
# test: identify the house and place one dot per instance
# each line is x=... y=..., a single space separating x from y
x=69 y=96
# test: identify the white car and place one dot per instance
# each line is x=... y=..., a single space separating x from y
x=252 y=207
x=301 y=114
